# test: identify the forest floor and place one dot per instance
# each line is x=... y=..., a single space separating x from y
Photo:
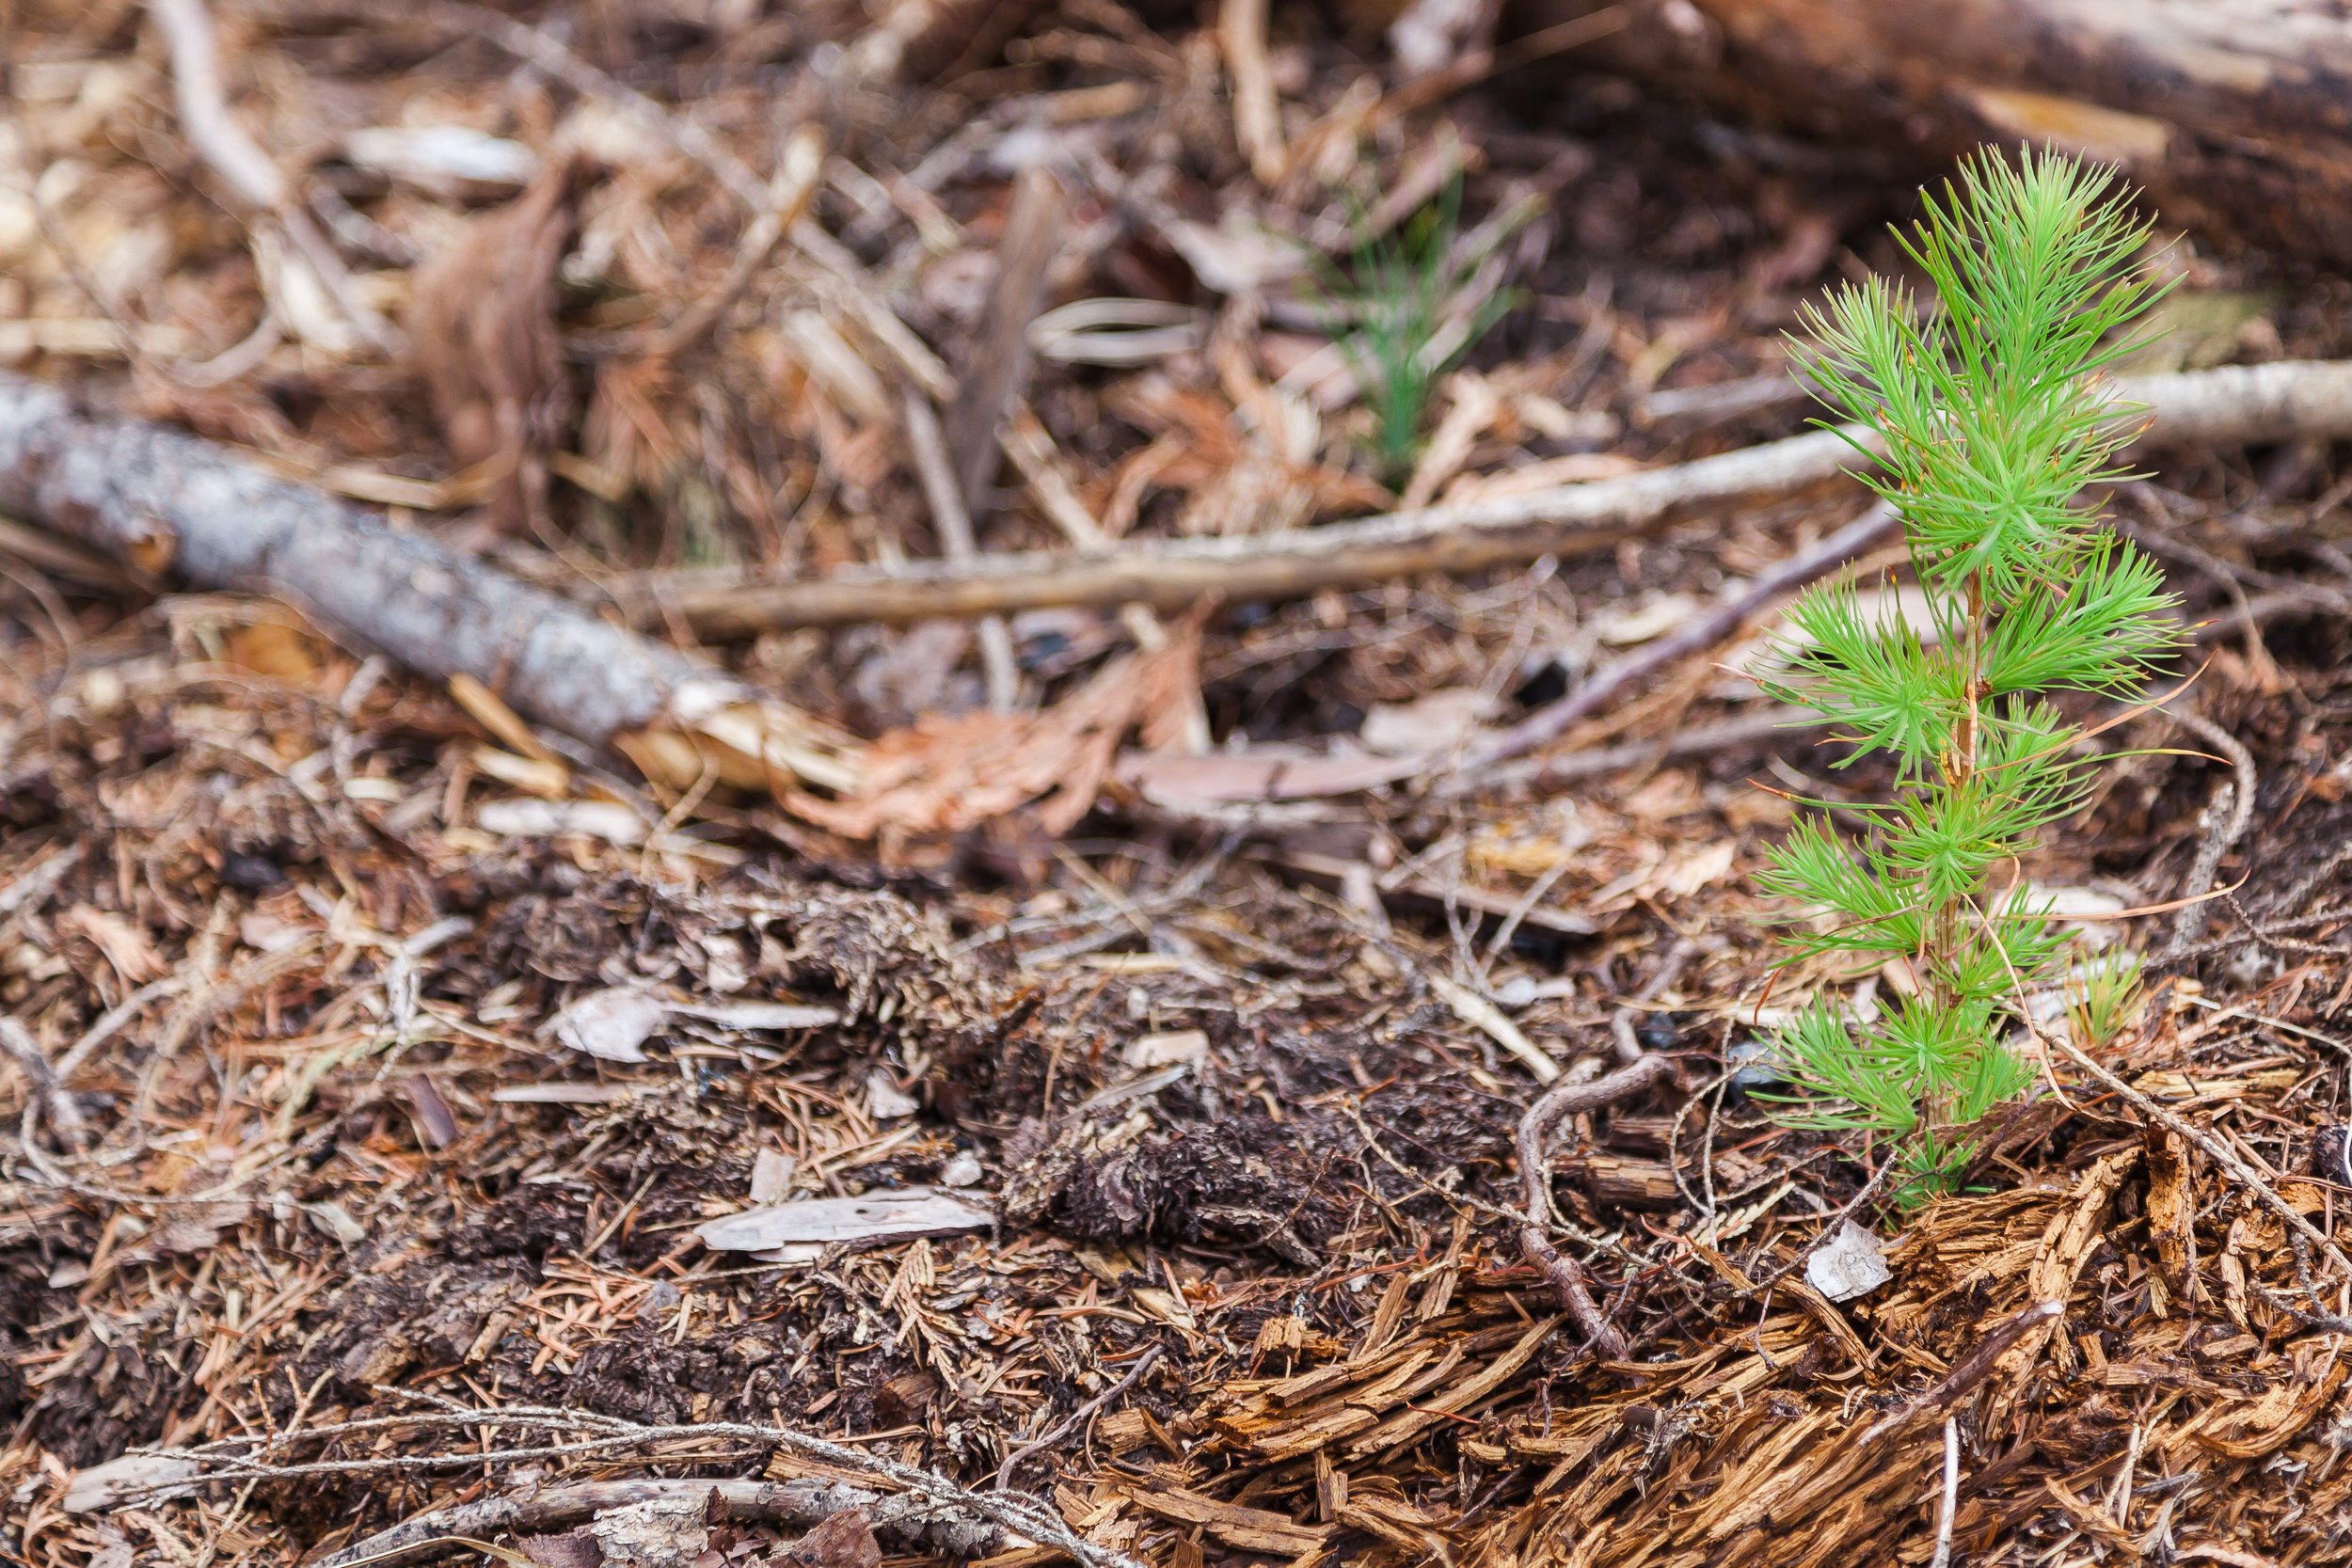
x=404 y=1055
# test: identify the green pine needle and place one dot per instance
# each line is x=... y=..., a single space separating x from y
x=1993 y=424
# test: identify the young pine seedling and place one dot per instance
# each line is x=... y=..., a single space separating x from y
x=1405 y=314
x=1993 y=423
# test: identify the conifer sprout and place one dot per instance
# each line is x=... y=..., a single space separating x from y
x=1994 y=423
x=1403 y=320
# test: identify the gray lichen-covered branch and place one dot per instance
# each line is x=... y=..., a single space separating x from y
x=172 y=506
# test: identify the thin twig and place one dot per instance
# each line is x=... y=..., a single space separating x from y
x=812 y=239
x=2236 y=403
x=1567 y=1276
x=1637 y=1071
x=1967 y=1372
x=31 y=887
x=1460 y=1201
x=1950 y=1504
x=110 y=1022
x=1548 y=723
x=526 y=42
x=999 y=666
x=44 y=1096
x=1070 y=1424
x=2222 y=831
x=251 y=175
x=2324 y=874
x=796 y=179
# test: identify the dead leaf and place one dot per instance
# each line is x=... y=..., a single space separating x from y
x=1641 y=623
x=2086 y=130
x=125 y=945
x=453 y=162
x=1261 y=773
x=1692 y=871
x=1238 y=257
x=273 y=648
x=482 y=320
x=1156 y=1051
x=946 y=773
x=1431 y=722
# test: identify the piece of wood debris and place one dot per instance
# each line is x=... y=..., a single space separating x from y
x=1248 y=1529
x=829 y=1221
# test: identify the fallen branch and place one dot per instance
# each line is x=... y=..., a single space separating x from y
x=931 y=1499
x=2238 y=404
x=2223 y=110
x=800 y=1502
x=165 y=504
